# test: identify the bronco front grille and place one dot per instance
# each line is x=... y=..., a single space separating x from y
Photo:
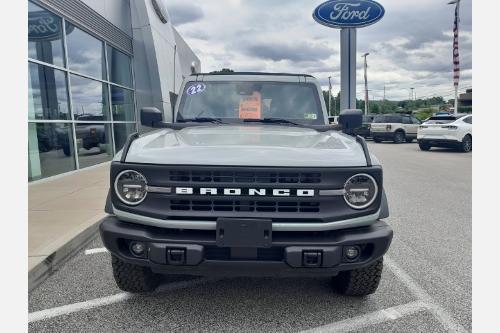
x=245 y=206
x=246 y=177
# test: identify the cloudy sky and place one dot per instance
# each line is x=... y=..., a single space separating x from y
x=410 y=47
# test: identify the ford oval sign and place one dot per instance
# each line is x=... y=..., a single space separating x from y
x=348 y=13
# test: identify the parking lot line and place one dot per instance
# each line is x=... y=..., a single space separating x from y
x=439 y=312
x=96 y=250
x=107 y=300
x=372 y=318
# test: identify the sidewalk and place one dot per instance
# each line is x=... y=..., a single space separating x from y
x=60 y=209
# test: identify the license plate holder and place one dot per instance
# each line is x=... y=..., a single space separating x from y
x=256 y=233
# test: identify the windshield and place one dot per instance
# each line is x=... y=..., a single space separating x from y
x=234 y=102
x=441 y=120
x=387 y=119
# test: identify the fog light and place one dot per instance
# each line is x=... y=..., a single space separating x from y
x=351 y=252
x=137 y=249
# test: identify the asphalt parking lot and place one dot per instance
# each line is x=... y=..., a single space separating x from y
x=426 y=284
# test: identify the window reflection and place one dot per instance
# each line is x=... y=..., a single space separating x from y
x=89 y=99
x=119 y=67
x=44 y=36
x=47 y=93
x=122 y=104
x=94 y=143
x=50 y=150
x=122 y=131
x=85 y=53
x=52 y=114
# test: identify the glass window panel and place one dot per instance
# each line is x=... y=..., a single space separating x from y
x=119 y=67
x=45 y=41
x=47 y=93
x=122 y=104
x=94 y=143
x=50 y=150
x=122 y=131
x=89 y=99
x=85 y=53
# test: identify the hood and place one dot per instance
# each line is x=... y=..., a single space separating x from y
x=247 y=145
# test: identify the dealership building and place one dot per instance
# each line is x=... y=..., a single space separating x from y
x=92 y=65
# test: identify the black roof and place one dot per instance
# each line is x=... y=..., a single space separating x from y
x=254 y=73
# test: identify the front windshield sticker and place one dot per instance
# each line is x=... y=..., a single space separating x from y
x=196 y=89
x=311 y=116
x=251 y=106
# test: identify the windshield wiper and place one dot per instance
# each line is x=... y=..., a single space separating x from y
x=200 y=120
x=273 y=121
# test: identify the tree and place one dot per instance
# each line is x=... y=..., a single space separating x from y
x=223 y=70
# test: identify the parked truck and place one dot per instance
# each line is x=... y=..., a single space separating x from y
x=249 y=179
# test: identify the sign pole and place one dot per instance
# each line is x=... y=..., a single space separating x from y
x=348 y=15
x=347 y=68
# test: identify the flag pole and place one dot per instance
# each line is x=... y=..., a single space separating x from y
x=456 y=60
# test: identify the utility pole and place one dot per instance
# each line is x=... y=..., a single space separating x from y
x=411 y=94
x=456 y=61
x=366 y=83
x=384 y=92
x=329 y=95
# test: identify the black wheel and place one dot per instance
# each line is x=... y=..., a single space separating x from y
x=399 y=137
x=133 y=278
x=377 y=140
x=66 y=150
x=359 y=282
x=424 y=146
x=466 y=145
x=409 y=140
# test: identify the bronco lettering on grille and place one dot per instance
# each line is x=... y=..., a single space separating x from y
x=281 y=192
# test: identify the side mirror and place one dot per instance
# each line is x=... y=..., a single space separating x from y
x=350 y=119
x=151 y=116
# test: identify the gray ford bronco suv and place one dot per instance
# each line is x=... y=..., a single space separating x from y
x=248 y=180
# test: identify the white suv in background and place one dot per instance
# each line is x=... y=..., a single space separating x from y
x=446 y=131
x=394 y=127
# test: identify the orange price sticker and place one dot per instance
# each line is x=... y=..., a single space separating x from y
x=251 y=106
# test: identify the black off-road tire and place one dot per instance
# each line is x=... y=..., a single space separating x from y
x=133 y=278
x=66 y=150
x=424 y=146
x=359 y=282
x=466 y=145
x=399 y=137
x=409 y=140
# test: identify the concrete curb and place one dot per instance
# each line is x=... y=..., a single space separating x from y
x=54 y=261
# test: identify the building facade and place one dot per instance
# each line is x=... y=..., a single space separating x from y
x=92 y=65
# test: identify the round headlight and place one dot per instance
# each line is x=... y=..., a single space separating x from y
x=130 y=187
x=360 y=191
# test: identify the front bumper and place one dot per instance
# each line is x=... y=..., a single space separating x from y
x=287 y=255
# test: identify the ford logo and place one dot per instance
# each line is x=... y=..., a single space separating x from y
x=348 y=13
x=45 y=26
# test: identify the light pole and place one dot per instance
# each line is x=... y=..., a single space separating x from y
x=456 y=62
x=412 y=95
x=329 y=95
x=366 y=83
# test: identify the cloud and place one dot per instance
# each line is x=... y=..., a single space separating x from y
x=294 y=52
x=182 y=13
x=410 y=47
